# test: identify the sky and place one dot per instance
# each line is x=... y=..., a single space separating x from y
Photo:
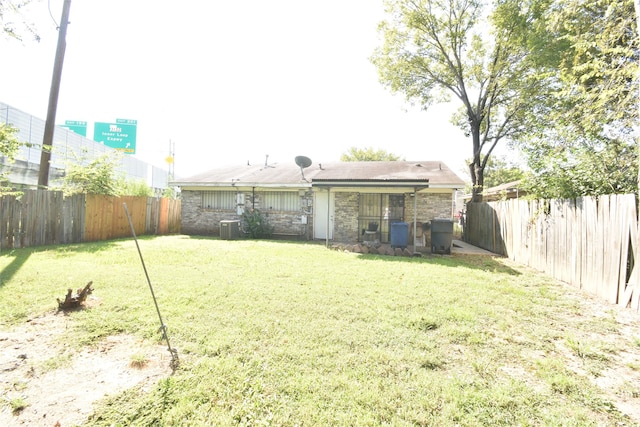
x=227 y=82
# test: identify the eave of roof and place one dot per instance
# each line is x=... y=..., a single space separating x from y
x=243 y=184
x=423 y=183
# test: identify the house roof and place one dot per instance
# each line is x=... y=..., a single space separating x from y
x=389 y=173
x=508 y=190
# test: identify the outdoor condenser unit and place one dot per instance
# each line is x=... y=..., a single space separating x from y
x=229 y=229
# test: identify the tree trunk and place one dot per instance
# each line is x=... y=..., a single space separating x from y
x=476 y=168
x=477 y=178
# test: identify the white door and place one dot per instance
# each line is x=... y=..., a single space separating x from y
x=323 y=214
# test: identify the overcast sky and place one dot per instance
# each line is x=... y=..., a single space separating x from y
x=227 y=82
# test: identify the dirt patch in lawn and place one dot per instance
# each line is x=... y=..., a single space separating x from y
x=58 y=386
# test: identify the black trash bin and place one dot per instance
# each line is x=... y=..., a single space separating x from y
x=441 y=236
x=399 y=234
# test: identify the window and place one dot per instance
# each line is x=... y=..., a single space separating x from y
x=219 y=200
x=284 y=201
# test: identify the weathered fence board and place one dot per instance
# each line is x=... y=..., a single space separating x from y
x=590 y=243
x=40 y=217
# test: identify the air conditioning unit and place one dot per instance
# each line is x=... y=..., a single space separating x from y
x=229 y=229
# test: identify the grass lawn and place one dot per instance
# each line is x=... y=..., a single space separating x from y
x=285 y=334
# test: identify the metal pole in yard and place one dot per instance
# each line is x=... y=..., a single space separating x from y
x=163 y=328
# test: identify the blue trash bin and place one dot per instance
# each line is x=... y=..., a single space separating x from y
x=399 y=234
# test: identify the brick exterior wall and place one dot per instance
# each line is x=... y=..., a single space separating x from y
x=429 y=206
x=346 y=217
x=202 y=221
x=198 y=220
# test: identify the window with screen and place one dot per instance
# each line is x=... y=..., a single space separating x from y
x=219 y=200
x=283 y=201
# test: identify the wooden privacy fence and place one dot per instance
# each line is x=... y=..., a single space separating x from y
x=591 y=243
x=40 y=217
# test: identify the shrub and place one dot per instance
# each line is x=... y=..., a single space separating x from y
x=256 y=225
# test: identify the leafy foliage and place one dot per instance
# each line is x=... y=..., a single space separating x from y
x=567 y=169
x=580 y=140
x=355 y=154
x=9 y=142
x=134 y=188
x=599 y=69
x=92 y=176
x=434 y=49
x=256 y=224
x=170 y=193
x=100 y=176
x=13 y=20
x=9 y=146
x=500 y=171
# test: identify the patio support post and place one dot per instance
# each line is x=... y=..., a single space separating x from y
x=328 y=215
x=415 y=216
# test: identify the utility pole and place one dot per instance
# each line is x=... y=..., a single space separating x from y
x=49 y=126
x=171 y=159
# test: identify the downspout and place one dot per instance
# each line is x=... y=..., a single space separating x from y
x=253 y=198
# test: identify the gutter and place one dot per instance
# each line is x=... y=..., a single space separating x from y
x=239 y=184
x=370 y=183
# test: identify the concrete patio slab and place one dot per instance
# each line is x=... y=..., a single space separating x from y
x=463 y=248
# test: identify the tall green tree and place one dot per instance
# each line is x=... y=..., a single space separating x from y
x=437 y=49
x=636 y=6
x=581 y=139
x=598 y=69
x=355 y=154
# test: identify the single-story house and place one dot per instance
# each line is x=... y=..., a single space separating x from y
x=327 y=201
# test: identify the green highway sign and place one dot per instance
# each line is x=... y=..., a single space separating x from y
x=127 y=122
x=120 y=135
x=78 y=127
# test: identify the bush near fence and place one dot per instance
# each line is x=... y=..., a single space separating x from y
x=41 y=217
x=591 y=243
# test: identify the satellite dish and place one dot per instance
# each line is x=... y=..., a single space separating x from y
x=303 y=162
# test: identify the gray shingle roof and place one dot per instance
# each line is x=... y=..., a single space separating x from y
x=434 y=172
